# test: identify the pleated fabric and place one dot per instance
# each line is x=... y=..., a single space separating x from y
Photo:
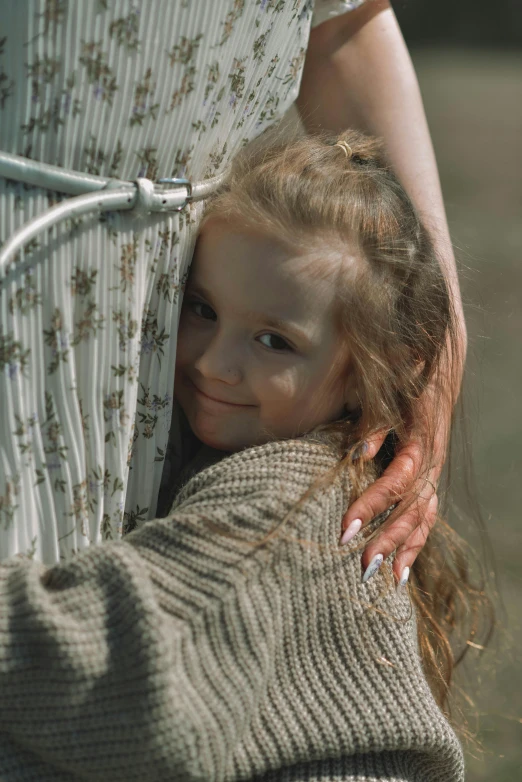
x=89 y=310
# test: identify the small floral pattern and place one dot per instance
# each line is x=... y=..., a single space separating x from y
x=143 y=100
x=99 y=74
x=6 y=83
x=13 y=357
x=88 y=310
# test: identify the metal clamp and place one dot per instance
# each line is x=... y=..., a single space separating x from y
x=179 y=181
x=144 y=196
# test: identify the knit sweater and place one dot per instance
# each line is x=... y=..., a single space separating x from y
x=195 y=650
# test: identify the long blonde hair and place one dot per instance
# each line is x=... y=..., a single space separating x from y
x=395 y=312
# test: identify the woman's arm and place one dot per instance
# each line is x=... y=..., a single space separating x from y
x=358 y=73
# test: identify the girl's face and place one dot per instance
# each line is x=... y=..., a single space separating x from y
x=258 y=356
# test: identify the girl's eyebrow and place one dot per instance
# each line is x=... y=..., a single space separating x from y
x=275 y=323
x=195 y=288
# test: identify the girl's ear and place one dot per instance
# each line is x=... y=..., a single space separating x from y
x=351 y=395
x=351 y=401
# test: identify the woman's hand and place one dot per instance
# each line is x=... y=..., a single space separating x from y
x=408 y=482
x=407 y=529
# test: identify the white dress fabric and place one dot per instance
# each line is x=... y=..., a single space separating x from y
x=89 y=309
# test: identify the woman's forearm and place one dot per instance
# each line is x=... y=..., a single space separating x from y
x=358 y=73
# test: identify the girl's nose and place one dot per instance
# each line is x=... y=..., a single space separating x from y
x=220 y=361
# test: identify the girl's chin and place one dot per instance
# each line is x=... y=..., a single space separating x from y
x=220 y=443
x=217 y=444
x=221 y=436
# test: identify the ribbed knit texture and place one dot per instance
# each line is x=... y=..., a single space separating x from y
x=189 y=652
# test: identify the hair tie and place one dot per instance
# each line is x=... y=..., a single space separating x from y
x=346 y=148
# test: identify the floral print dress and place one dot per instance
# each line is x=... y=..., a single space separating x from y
x=89 y=309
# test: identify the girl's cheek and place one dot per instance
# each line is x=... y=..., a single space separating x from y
x=281 y=388
x=186 y=350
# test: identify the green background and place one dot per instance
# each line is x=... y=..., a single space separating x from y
x=468 y=56
x=473 y=100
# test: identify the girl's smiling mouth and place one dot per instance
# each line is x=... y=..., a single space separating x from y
x=206 y=398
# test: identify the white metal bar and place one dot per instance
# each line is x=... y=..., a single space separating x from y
x=121 y=198
x=32 y=172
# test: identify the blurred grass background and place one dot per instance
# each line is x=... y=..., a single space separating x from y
x=473 y=99
x=468 y=57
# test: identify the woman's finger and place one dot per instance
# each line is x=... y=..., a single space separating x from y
x=394 y=534
x=396 y=481
x=373 y=445
x=408 y=552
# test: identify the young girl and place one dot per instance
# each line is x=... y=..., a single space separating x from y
x=235 y=639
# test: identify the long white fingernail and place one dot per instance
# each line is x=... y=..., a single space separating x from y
x=404 y=576
x=373 y=567
x=351 y=531
x=359 y=452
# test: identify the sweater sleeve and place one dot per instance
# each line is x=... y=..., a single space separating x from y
x=189 y=651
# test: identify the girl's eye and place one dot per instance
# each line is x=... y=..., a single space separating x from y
x=278 y=343
x=202 y=310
